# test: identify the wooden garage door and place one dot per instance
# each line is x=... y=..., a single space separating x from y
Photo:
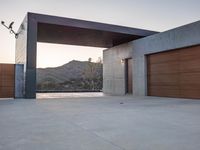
x=7 y=80
x=174 y=73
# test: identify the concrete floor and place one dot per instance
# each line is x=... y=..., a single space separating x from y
x=68 y=95
x=100 y=123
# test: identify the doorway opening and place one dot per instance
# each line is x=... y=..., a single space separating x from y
x=128 y=76
x=68 y=71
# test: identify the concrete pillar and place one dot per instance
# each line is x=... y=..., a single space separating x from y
x=19 y=81
x=139 y=76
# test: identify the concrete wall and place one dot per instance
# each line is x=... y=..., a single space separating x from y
x=21 y=44
x=114 y=69
x=26 y=54
x=185 y=36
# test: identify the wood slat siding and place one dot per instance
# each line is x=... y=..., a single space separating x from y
x=7 y=80
x=174 y=73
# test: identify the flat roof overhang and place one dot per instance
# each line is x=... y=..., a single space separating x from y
x=60 y=30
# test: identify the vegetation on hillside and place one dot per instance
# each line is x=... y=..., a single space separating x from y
x=73 y=76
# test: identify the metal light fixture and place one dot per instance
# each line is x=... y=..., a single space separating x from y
x=10 y=28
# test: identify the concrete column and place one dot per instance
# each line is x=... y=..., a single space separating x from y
x=30 y=78
x=19 y=81
x=139 y=76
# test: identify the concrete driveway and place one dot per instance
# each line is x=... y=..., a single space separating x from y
x=100 y=123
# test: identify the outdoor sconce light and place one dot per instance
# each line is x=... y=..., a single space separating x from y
x=122 y=61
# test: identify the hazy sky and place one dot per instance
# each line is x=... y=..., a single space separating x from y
x=157 y=15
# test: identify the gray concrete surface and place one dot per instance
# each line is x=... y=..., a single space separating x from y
x=68 y=95
x=183 y=36
x=114 y=69
x=101 y=123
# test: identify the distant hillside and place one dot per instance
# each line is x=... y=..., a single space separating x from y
x=75 y=75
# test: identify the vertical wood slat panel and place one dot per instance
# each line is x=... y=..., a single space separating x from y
x=7 y=80
x=174 y=73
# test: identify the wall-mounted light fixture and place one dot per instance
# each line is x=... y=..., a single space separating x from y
x=122 y=61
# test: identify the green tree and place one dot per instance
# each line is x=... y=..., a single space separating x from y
x=93 y=74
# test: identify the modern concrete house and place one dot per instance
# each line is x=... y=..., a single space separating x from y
x=164 y=64
x=136 y=61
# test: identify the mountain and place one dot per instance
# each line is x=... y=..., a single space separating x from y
x=70 y=75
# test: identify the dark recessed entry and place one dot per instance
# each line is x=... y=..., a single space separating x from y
x=128 y=75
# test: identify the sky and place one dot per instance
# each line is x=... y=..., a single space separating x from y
x=156 y=15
